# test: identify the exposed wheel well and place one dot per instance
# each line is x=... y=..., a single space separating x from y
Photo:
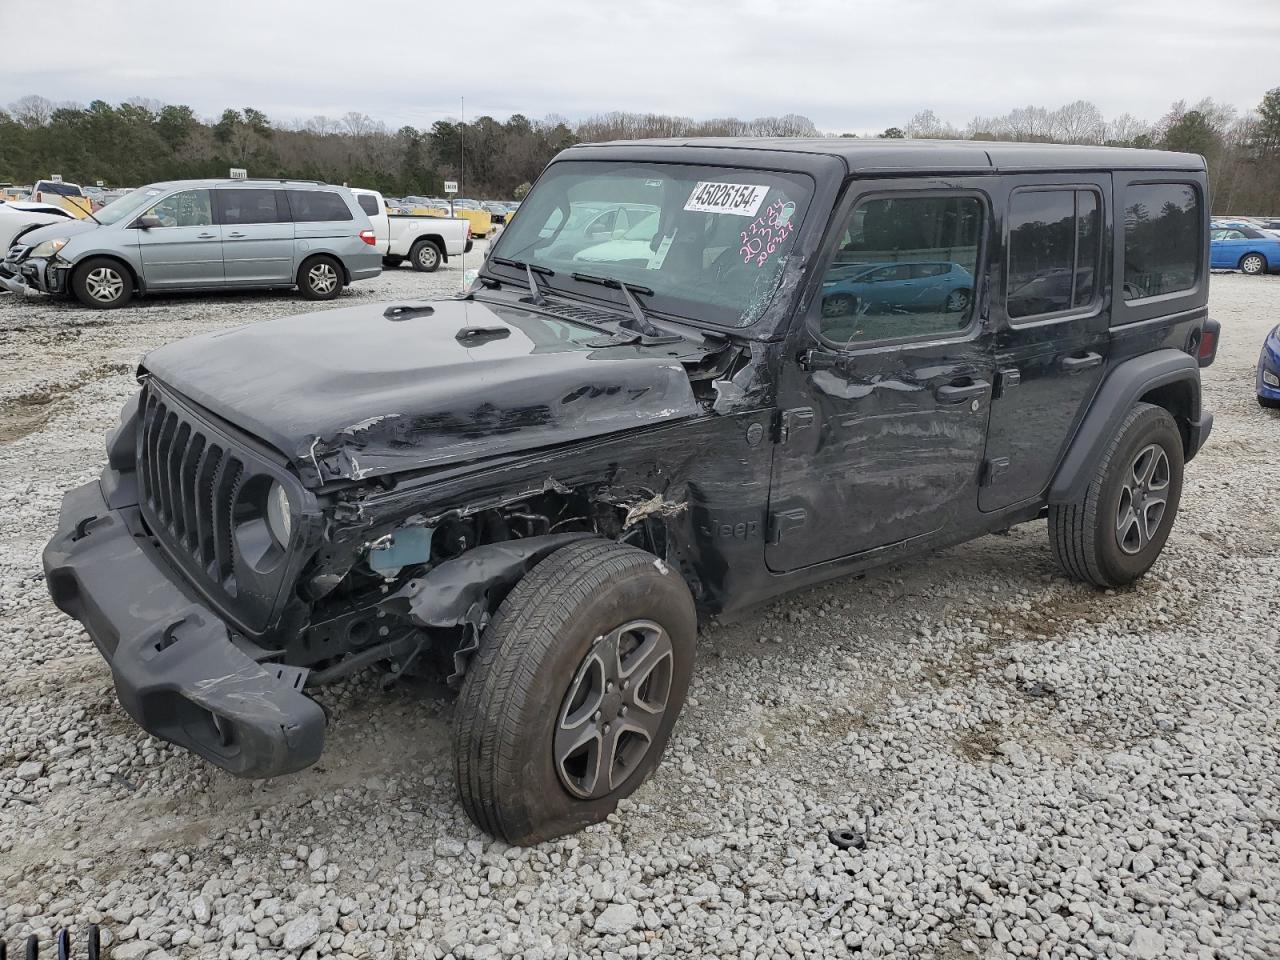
x=346 y=274
x=437 y=240
x=1179 y=399
x=129 y=271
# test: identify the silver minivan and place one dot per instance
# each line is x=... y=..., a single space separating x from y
x=200 y=234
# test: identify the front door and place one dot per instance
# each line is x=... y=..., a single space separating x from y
x=886 y=390
x=1052 y=323
x=185 y=249
x=257 y=235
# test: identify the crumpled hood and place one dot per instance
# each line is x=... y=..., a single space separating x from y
x=350 y=393
x=54 y=231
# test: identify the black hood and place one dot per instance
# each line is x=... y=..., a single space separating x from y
x=350 y=393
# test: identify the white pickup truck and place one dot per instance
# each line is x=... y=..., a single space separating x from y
x=424 y=241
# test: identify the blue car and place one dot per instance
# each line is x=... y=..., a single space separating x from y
x=1269 y=370
x=928 y=286
x=1244 y=248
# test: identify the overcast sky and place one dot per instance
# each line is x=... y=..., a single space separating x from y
x=849 y=65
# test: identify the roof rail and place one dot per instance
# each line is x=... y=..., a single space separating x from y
x=269 y=180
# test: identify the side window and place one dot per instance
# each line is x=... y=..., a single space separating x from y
x=368 y=203
x=1161 y=239
x=905 y=267
x=189 y=208
x=248 y=206
x=1054 y=242
x=317 y=206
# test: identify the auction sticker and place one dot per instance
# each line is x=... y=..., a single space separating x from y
x=740 y=199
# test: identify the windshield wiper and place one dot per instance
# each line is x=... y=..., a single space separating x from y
x=529 y=270
x=640 y=322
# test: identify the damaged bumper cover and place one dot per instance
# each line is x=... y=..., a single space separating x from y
x=44 y=276
x=176 y=670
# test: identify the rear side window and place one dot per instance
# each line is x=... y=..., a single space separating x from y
x=368 y=203
x=1053 y=251
x=1161 y=239
x=904 y=267
x=317 y=206
x=249 y=206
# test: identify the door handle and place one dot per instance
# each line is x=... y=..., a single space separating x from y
x=961 y=391
x=205 y=236
x=1084 y=361
x=235 y=236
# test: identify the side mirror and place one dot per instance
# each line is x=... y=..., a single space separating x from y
x=146 y=223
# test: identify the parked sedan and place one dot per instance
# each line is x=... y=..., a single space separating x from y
x=1243 y=248
x=18 y=217
x=1269 y=370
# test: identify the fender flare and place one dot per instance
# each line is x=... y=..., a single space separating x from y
x=1123 y=388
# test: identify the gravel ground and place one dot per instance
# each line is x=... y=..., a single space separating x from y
x=1040 y=770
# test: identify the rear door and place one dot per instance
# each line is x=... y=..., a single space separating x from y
x=185 y=250
x=1052 y=317
x=257 y=235
x=320 y=215
x=884 y=408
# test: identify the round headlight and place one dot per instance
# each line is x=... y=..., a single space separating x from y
x=279 y=514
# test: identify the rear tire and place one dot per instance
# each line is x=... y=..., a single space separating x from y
x=102 y=283
x=1253 y=264
x=425 y=256
x=1114 y=534
x=542 y=708
x=320 y=278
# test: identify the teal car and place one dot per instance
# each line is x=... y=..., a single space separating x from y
x=926 y=286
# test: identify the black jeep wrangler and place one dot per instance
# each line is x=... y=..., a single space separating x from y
x=690 y=376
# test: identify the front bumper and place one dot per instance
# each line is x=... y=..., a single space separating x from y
x=176 y=670
x=1269 y=365
x=42 y=275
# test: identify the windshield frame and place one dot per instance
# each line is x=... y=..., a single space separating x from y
x=770 y=321
x=122 y=208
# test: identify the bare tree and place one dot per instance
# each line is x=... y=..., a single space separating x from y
x=32 y=110
x=1077 y=122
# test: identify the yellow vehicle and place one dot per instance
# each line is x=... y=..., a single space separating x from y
x=69 y=196
x=481 y=222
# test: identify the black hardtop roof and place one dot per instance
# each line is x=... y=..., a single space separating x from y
x=874 y=155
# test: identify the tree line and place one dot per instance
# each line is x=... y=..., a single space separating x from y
x=143 y=141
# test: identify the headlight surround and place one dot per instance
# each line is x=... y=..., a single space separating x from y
x=1270 y=379
x=48 y=248
x=279 y=515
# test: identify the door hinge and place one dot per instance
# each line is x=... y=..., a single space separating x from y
x=786 y=520
x=993 y=471
x=793 y=421
x=1006 y=379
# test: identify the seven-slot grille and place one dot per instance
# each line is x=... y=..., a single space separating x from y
x=187 y=482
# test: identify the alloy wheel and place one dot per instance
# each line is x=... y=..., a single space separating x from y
x=427 y=256
x=1143 y=499
x=1252 y=264
x=614 y=708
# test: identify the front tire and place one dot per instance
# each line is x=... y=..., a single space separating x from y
x=572 y=696
x=320 y=278
x=102 y=283
x=1115 y=533
x=425 y=256
x=1253 y=264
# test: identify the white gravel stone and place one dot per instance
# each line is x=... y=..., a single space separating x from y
x=30 y=770
x=617 y=918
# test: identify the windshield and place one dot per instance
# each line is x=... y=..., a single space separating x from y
x=710 y=242
x=127 y=205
